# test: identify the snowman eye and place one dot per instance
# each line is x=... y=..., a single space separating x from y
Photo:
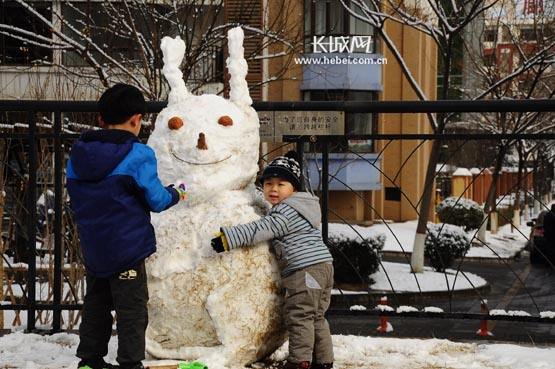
x=225 y=121
x=175 y=123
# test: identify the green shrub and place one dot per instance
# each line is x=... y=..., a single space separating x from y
x=354 y=260
x=445 y=243
x=461 y=212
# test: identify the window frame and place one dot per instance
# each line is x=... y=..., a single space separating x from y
x=41 y=53
x=310 y=5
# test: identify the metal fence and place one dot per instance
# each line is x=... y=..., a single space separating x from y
x=57 y=139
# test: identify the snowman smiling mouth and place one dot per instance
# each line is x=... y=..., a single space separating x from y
x=197 y=163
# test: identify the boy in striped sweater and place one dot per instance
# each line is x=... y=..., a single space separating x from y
x=305 y=262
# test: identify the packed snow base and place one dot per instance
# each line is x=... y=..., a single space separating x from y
x=32 y=351
x=220 y=308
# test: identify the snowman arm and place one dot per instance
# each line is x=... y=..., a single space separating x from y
x=266 y=228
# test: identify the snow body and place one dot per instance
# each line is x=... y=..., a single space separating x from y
x=219 y=308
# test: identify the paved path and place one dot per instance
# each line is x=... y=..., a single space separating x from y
x=506 y=293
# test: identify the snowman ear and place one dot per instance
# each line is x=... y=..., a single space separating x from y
x=173 y=50
x=238 y=68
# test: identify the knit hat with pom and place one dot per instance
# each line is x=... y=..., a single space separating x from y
x=286 y=167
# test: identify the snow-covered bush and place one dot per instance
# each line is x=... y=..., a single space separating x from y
x=462 y=212
x=444 y=244
x=354 y=259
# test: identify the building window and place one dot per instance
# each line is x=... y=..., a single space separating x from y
x=489 y=59
x=101 y=22
x=393 y=194
x=90 y=19
x=527 y=34
x=355 y=123
x=330 y=18
x=16 y=50
x=490 y=35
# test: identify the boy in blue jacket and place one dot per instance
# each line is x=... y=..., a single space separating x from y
x=113 y=184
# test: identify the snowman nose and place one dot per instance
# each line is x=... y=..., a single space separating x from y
x=201 y=142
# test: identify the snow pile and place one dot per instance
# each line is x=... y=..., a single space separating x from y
x=384 y=308
x=219 y=308
x=547 y=314
x=508 y=313
x=402 y=280
x=406 y=309
x=432 y=309
x=358 y=307
x=32 y=351
x=394 y=353
x=462 y=172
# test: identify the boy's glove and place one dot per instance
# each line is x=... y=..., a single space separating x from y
x=182 y=191
x=219 y=243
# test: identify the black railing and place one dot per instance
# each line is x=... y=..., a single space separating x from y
x=59 y=137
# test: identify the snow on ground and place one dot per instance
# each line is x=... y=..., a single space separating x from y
x=32 y=351
x=429 y=280
x=400 y=237
x=404 y=281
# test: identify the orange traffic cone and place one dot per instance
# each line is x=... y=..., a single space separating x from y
x=483 y=331
x=385 y=326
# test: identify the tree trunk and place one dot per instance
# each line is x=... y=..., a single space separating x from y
x=490 y=205
x=2 y=199
x=417 y=256
x=516 y=209
x=481 y=236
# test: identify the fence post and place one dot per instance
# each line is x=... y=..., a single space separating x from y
x=58 y=196
x=300 y=156
x=325 y=189
x=32 y=222
x=2 y=253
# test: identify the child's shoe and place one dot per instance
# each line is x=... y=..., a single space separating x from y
x=101 y=364
x=133 y=366
x=301 y=365
x=321 y=366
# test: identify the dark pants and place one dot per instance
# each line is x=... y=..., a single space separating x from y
x=127 y=294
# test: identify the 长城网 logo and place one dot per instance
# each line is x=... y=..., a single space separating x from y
x=342 y=44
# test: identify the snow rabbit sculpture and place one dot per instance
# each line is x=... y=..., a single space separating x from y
x=205 y=305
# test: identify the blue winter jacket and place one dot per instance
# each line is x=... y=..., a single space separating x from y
x=113 y=185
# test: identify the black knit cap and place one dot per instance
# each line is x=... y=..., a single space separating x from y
x=118 y=103
x=286 y=167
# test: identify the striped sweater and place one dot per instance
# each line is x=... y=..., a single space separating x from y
x=292 y=225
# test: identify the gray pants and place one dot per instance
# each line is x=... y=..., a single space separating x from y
x=307 y=297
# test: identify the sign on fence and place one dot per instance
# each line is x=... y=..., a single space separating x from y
x=276 y=124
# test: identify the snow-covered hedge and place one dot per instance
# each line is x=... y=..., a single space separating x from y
x=462 y=212
x=445 y=243
x=354 y=259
